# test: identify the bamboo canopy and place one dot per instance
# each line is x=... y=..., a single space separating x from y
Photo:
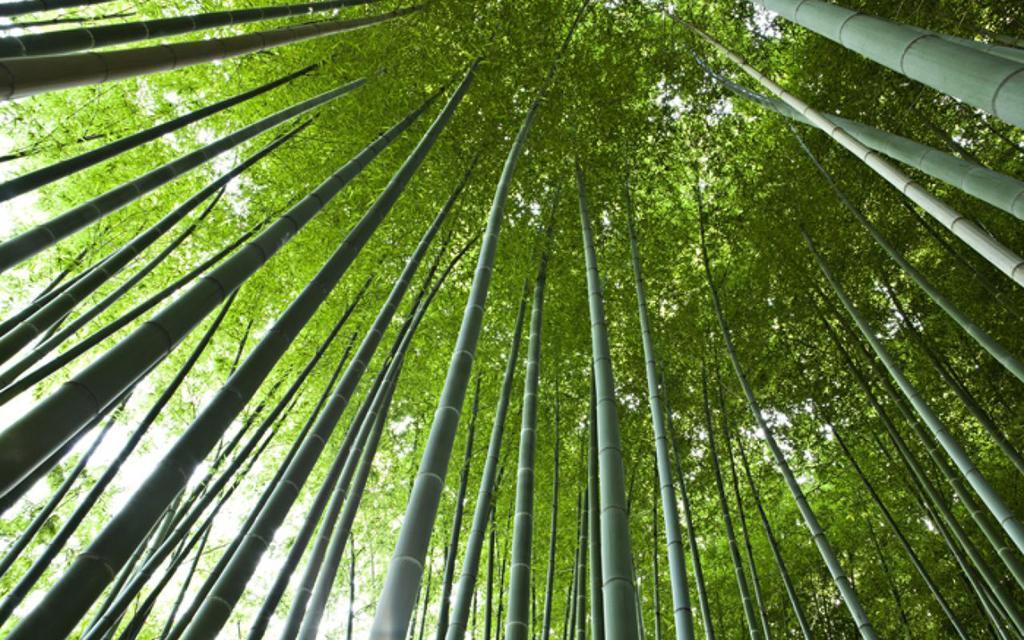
x=301 y=338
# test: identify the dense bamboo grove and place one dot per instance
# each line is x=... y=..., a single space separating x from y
x=556 y=320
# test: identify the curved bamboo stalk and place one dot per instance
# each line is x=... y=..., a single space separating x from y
x=51 y=173
x=156 y=337
x=403 y=577
x=68 y=40
x=45 y=427
x=655 y=568
x=991 y=249
x=961 y=491
x=184 y=587
x=992 y=500
x=569 y=628
x=989 y=82
x=25 y=245
x=215 y=610
x=682 y=610
x=846 y=590
x=517 y=626
x=21 y=77
x=302 y=538
x=618 y=590
x=249 y=455
x=484 y=508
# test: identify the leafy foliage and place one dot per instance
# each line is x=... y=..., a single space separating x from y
x=629 y=100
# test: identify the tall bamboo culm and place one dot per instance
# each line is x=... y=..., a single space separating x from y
x=217 y=607
x=483 y=511
x=517 y=625
x=618 y=590
x=681 y=608
x=394 y=607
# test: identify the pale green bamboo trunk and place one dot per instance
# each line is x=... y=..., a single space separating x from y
x=618 y=590
x=517 y=625
x=325 y=572
x=989 y=82
x=691 y=532
x=484 y=509
x=594 y=524
x=451 y=558
x=682 y=610
x=549 y=583
x=405 y=570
